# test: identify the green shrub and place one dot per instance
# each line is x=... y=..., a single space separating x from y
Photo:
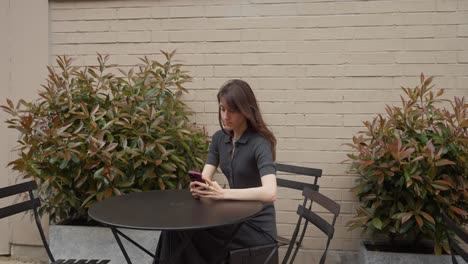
x=92 y=135
x=412 y=164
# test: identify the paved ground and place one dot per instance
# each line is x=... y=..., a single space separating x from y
x=8 y=260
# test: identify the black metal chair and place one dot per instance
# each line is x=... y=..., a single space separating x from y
x=269 y=253
x=32 y=204
x=305 y=212
x=460 y=233
x=251 y=255
x=287 y=183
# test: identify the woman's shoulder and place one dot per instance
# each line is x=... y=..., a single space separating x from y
x=218 y=135
x=258 y=139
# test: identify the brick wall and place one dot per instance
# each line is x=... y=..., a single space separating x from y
x=318 y=67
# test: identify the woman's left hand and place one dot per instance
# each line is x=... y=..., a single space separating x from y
x=211 y=190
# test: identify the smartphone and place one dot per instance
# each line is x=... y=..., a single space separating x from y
x=196 y=176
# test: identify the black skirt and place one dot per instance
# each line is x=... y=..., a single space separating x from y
x=209 y=245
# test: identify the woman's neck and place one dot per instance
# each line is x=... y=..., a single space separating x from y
x=237 y=133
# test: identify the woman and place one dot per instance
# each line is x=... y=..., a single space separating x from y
x=244 y=149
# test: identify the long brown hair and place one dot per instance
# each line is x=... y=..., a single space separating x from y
x=238 y=96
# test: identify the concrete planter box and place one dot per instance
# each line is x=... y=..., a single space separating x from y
x=366 y=256
x=88 y=242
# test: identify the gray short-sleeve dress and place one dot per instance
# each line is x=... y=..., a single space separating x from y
x=243 y=165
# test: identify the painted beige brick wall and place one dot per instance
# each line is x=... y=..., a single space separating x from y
x=24 y=51
x=318 y=67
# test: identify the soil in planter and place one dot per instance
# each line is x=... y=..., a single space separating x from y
x=402 y=248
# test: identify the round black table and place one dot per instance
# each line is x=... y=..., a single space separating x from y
x=169 y=210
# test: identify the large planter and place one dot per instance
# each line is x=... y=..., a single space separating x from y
x=90 y=242
x=371 y=252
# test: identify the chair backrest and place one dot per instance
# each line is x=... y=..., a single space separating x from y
x=31 y=203
x=312 y=172
x=308 y=215
x=460 y=233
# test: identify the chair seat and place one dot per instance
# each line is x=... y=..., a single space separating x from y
x=81 y=261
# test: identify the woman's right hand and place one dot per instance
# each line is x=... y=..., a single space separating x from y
x=195 y=185
x=207 y=174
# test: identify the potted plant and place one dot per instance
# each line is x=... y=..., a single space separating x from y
x=93 y=134
x=412 y=163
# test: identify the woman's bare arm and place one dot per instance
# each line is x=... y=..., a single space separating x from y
x=264 y=193
x=208 y=171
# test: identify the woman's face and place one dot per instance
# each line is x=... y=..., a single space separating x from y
x=232 y=119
